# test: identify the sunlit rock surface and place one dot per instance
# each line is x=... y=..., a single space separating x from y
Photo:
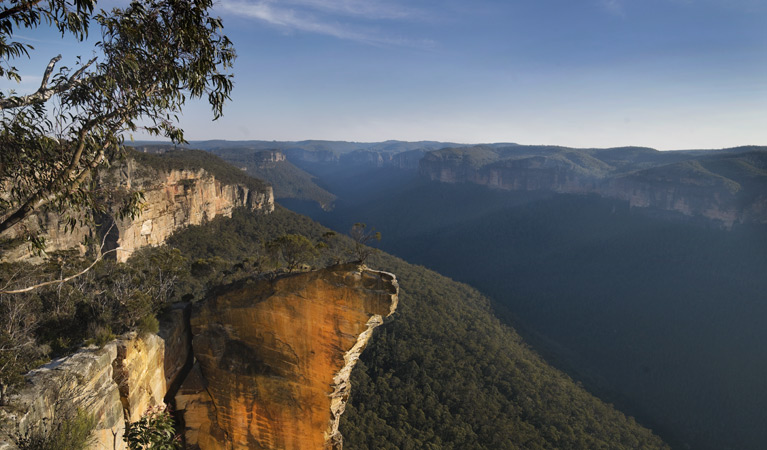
x=117 y=382
x=176 y=199
x=273 y=364
x=173 y=199
x=274 y=358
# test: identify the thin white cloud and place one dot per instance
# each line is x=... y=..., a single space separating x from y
x=614 y=6
x=370 y=9
x=317 y=16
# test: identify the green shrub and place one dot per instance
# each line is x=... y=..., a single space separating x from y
x=155 y=430
x=148 y=325
x=66 y=432
x=100 y=335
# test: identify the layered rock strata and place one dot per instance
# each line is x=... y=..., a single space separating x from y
x=688 y=187
x=177 y=199
x=115 y=383
x=274 y=358
x=173 y=199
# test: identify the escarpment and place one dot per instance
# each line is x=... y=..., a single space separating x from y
x=726 y=186
x=174 y=197
x=273 y=360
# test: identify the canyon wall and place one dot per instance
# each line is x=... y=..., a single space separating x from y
x=173 y=199
x=176 y=199
x=728 y=189
x=273 y=361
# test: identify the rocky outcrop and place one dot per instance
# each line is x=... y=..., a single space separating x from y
x=173 y=199
x=274 y=358
x=116 y=383
x=176 y=199
x=268 y=158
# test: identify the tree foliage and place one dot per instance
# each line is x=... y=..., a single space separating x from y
x=293 y=249
x=152 y=55
x=57 y=318
x=154 y=430
x=362 y=236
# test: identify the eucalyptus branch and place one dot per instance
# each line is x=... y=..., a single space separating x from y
x=44 y=93
x=66 y=178
x=101 y=100
x=10 y=12
x=71 y=277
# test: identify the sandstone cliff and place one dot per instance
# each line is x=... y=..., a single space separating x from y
x=115 y=383
x=273 y=364
x=274 y=358
x=174 y=197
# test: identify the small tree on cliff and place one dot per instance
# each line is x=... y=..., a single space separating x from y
x=293 y=249
x=152 y=55
x=362 y=237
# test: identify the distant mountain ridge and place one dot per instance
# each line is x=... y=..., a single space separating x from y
x=728 y=186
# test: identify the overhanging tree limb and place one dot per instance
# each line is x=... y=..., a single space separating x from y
x=66 y=181
x=71 y=277
x=21 y=7
x=154 y=55
x=45 y=93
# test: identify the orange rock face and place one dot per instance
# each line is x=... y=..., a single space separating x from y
x=274 y=358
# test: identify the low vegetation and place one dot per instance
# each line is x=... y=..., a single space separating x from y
x=70 y=430
x=441 y=373
x=155 y=430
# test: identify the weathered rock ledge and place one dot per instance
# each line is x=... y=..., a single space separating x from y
x=274 y=358
x=273 y=364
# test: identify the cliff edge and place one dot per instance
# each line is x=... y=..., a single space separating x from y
x=726 y=186
x=273 y=361
x=274 y=358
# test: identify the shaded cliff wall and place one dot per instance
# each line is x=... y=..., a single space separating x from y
x=274 y=358
x=668 y=189
x=173 y=199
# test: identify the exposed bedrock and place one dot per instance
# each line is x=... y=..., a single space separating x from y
x=274 y=358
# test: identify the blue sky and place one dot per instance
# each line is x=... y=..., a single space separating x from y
x=668 y=74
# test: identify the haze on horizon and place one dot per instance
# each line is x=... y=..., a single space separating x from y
x=667 y=74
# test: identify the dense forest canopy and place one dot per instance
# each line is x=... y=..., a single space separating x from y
x=650 y=309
